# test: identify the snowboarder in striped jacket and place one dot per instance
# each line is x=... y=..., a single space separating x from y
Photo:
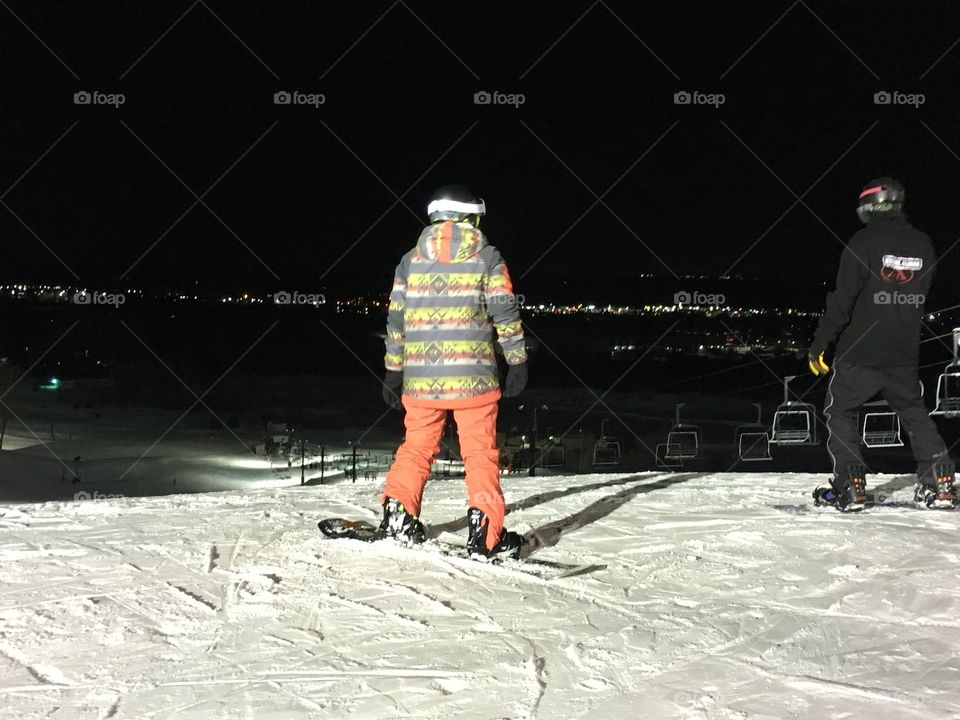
x=452 y=299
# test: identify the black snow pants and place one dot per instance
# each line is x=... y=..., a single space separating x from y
x=853 y=385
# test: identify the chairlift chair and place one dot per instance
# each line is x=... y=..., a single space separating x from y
x=552 y=455
x=794 y=421
x=881 y=428
x=948 y=384
x=666 y=458
x=754 y=447
x=606 y=452
x=753 y=440
x=684 y=442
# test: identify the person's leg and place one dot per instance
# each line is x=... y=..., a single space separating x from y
x=902 y=391
x=411 y=469
x=850 y=387
x=477 y=430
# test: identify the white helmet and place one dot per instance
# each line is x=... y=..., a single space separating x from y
x=455 y=202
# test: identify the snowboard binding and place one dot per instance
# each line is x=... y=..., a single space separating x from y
x=845 y=492
x=508 y=545
x=828 y=496
x=941 y=492
x=400 y=525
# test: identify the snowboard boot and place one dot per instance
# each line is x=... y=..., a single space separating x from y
x=507 y=546
x=936 y=488
x=847 y=489
x=400 y=525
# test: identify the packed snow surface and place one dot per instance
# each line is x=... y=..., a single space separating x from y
x=721 y=596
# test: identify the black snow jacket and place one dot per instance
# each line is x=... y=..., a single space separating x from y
x=875 y=313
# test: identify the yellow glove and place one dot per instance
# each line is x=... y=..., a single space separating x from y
x=818 y=365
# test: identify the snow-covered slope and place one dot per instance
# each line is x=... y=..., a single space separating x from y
x=719 y=600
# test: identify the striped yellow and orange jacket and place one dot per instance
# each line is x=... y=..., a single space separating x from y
x=451 y=294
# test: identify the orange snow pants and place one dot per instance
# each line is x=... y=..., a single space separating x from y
x=477 y=430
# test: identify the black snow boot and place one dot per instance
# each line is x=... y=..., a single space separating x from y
x=848 y=488
x=507 y=546
x=936 y=487
x=400 y=525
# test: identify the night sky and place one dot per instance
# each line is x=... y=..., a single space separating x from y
x=301 y=196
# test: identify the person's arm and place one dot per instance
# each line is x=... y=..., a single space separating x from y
x=393 y=360
x=852 y=277
x=504 y=311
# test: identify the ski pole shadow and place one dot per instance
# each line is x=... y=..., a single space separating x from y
x=460 y=523
x=549 y=535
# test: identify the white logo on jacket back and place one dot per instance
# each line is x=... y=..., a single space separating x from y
x=900 y=269
x=894 y=262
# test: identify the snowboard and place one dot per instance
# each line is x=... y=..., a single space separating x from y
x=341 y=528
x=875 y=502
x=345 y=529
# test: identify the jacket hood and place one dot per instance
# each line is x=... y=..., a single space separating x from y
x=450 y=241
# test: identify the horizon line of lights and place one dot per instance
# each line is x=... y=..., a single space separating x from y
x=365 y=303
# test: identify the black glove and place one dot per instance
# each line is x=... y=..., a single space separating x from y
x=818 y=366
x=516 y=380
x=392 y=389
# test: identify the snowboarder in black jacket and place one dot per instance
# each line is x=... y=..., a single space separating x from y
x=874 y=317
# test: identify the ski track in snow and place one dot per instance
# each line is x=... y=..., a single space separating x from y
x=714 y=604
